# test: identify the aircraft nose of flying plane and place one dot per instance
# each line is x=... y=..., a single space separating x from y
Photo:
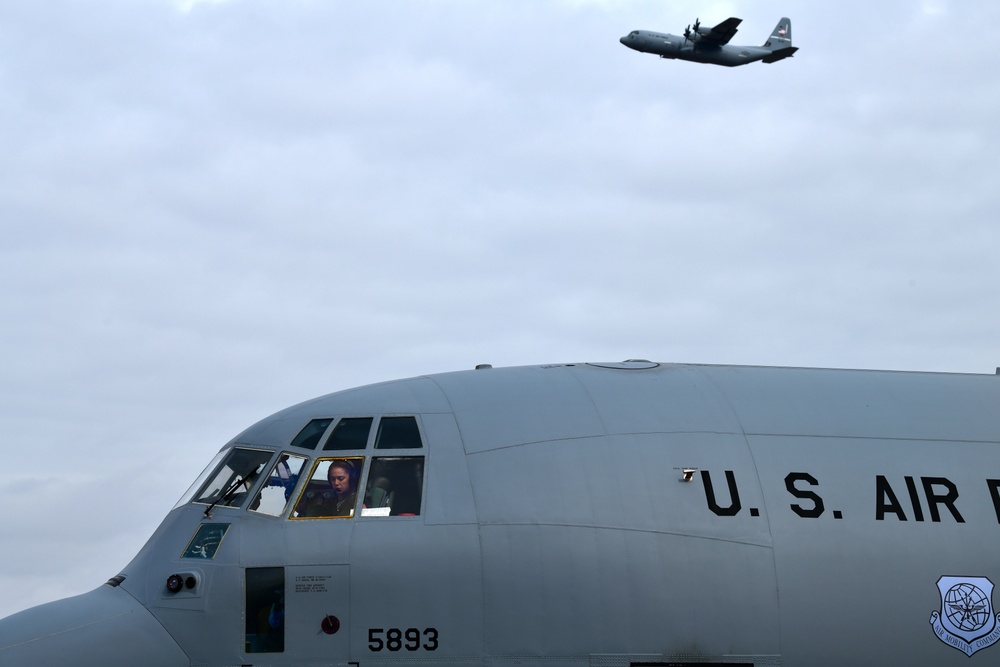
x=629 y=40
x=104 y=627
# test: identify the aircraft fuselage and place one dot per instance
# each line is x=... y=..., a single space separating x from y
x=574 y=515
x=680 y=48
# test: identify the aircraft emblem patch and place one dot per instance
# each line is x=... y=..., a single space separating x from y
x=966 y=620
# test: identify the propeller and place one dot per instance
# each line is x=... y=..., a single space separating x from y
x=687 y=32
x=697 y=24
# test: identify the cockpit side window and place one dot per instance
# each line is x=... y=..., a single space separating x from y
x=273 y=497
x=395 y=486
x=332 y=489
x=398 y=433
x=349 y=433
x=234 y=479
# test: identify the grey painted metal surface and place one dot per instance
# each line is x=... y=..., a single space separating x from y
x=711 y=45
x=106 y=626
x=578 y=514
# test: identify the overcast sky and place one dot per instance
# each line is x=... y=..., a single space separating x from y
x=211 y=211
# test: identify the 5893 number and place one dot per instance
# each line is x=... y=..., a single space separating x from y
x=394 y=639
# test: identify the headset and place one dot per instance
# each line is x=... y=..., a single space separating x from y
x=352 y=468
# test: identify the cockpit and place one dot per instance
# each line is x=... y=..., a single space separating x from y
x=321 y=473
x=329 y=473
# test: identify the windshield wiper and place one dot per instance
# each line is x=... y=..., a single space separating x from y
x=231 y=491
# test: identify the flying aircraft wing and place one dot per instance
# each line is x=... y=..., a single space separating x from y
x=722 y=33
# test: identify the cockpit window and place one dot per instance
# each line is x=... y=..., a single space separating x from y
x=392 y=485
x=232 y=481
x=273 y=496
x=395 y=486
x=398 y=433
x=332 y=489
x=349 y=433
x=189 y=494
x=206 y=541
x=309 y=437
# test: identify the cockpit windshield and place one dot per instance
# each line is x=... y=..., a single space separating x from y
x=232 y=481
x=274 y=494
x=379 y=474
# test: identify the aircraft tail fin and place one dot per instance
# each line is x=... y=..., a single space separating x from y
x=780 y=41
x=781 y=36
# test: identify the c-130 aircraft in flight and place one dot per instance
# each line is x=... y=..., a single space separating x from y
x=711 y=45
x=631 y=514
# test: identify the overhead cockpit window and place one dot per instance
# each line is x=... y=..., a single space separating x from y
x=274 y=495
x=398 y=433
x=349 y=433
x=332 y=489
x=395 y=486
x=231 y=483
x=309 y=437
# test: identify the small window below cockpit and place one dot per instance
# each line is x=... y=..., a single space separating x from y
x=272 y=499
x=231 y=483
x=206 y=541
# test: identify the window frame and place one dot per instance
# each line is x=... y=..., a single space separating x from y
x=304 y=490
x=368 y=455
x=224 y=457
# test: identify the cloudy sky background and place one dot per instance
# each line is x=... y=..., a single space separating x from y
x=211 y=211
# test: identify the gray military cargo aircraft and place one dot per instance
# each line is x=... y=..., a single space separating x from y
x=711 y=45
x=629 y=514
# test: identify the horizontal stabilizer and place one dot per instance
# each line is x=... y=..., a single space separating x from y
x=781 y=54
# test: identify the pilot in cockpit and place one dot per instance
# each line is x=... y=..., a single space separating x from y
x=341 y=497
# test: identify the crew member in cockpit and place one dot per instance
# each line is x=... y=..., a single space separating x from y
x=343 y=478
x=342 y=496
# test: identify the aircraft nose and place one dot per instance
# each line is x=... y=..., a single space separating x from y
x=106 y=626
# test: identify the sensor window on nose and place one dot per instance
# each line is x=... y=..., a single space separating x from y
x=206 y=541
